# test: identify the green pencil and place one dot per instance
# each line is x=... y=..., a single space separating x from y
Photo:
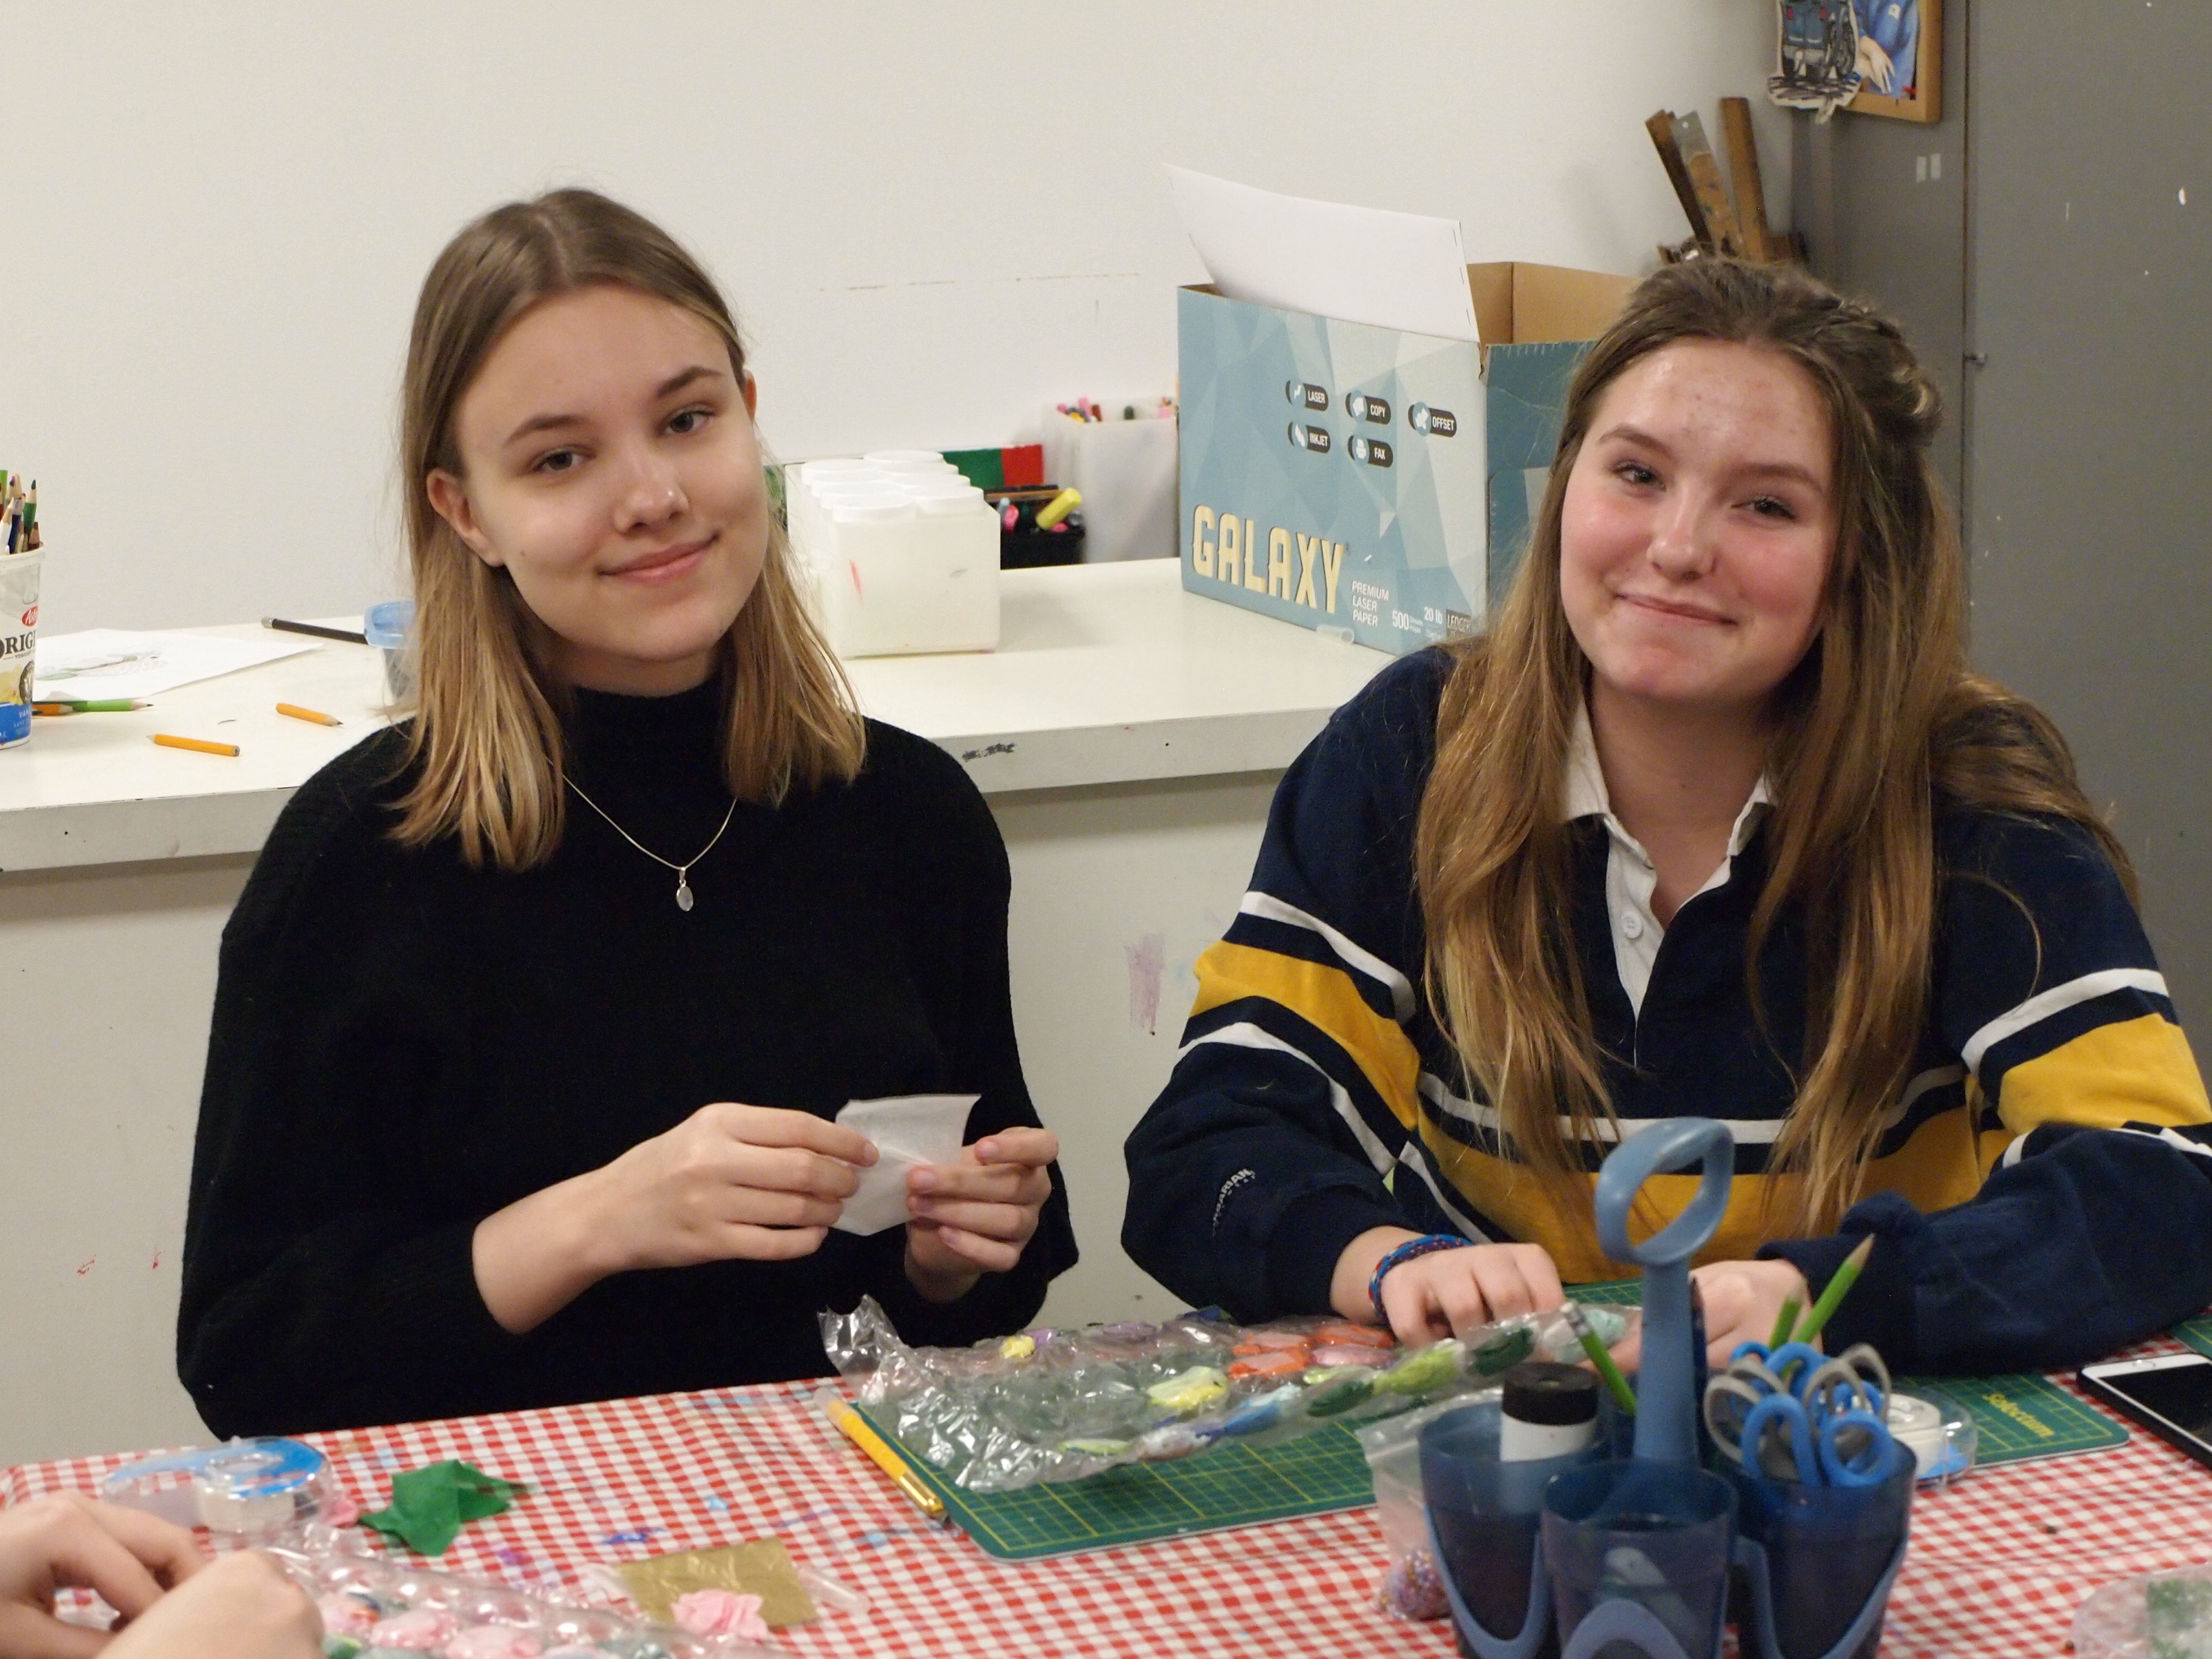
x=1578 y=1321
x=99 y=705
x=1785 y=1323
x=1839 y=1288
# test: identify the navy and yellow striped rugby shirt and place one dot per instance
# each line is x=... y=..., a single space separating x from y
x=2041 y=1193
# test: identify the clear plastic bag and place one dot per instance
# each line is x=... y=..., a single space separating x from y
x=2157 y=1615
x=1050 y=1405
x=375 y=1602
x=1410 y=1586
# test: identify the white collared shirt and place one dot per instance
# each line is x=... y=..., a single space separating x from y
x=1630 y=875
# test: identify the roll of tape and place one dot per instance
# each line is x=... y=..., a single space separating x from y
x=1917 y=1424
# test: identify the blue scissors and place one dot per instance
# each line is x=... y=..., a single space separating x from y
x=1779 y=1439
x=1828 y=1413
x=1808 y=1374
x=1781 y=1361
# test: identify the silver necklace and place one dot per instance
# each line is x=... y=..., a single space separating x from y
x=684 y=870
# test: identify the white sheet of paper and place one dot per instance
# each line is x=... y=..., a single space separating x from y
x=908 y=1130
x=113 y=662
x=1404 y=270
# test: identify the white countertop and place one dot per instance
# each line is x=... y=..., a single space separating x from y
x=1105 y=673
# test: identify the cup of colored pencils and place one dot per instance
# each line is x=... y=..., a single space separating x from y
x=20 y=560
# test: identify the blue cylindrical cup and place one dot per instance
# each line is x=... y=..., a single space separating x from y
x=1654 y=1534
x=1828 y=1550
x=1483 y=1513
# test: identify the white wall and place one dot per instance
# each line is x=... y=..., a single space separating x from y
x=934 y=220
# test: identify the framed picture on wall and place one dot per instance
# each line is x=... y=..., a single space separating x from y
x=1900 y=58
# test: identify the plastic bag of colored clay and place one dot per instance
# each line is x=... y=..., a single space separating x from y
x=380 y=1602
x=1049 y=1406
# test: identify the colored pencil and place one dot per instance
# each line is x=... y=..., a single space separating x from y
x=201 y=744
x=1785 y=1323
x=315 y=629
x=1579 y=1322
x=1839 y=1288
x=855 y=1427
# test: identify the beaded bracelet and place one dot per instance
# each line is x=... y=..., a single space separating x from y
x=1429 y=1244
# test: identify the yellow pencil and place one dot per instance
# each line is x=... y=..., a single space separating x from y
x=855 y=1427
x=312 y=715
x=199 y=744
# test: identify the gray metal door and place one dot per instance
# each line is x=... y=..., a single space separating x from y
x=2089 y=441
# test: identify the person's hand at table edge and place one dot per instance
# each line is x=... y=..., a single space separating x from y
x=1742 y=1300
x=1444 y=1292
x=239 y=1606
x=64 y=1542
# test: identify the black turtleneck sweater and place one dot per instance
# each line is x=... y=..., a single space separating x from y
x=403 y=1045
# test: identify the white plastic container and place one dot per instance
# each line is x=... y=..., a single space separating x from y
x=900 y=554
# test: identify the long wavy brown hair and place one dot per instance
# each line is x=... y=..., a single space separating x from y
x=486 y=737
x=1881 y=718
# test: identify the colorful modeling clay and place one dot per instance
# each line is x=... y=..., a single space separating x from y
x=1264 y=1413
x=722 y=1612
x=1193 y=1390
x=494 y=1642
x=1422 y=1370
x=1096 y=1448
x=1503 y=1351
x=1094 y=1398
x=1165 y=1445
x=1340 y=1392
x=1358 y=1336
x=345 y=1614
x=1339 y=1353
x=422 y=1630
x=1271 y=1362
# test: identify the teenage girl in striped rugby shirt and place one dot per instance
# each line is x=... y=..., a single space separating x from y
x=1715 y=821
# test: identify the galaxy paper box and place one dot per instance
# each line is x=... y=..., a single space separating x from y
x=1338 y=475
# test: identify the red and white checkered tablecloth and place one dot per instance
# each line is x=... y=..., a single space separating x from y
x=1996 y=1567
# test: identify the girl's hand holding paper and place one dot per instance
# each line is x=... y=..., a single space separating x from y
x=731 y=1180
x=968 y=1211
x=976 y=1215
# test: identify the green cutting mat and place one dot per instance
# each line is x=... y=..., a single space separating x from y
x=2195 y=1333
x=1228 y=1486
x=2015 y=1418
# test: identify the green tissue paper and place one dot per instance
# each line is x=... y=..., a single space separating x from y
x=430 y=1505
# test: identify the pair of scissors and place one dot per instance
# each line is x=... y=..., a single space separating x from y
x=1796 y=1369
x=1779 y=1438
x=1828 y=1413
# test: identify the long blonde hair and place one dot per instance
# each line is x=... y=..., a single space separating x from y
x=1881 y=717
x=486 y=737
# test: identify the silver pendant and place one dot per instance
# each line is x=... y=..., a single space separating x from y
x=683 y=892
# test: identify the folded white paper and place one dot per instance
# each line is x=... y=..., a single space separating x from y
x=908 y=1130
x=1401 y=270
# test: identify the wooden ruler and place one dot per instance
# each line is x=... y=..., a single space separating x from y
x=1660 y=126
x=1743 y=173
x=1706 y=180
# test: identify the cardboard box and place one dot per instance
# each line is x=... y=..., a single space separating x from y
x=1342 y=475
